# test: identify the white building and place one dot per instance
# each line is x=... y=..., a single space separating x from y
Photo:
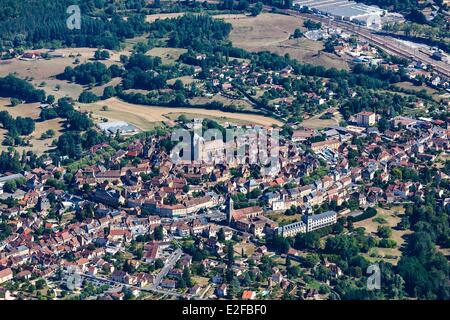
x=321 y=220
x=292 y=229
x=345 y=10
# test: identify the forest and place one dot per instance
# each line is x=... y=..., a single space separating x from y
x=42 y=23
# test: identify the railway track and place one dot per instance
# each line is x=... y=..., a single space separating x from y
x=440 y=68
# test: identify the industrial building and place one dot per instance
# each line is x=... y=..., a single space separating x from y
x=344 y=10
x=122 y=127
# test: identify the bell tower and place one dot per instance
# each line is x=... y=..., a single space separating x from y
x=229 y=209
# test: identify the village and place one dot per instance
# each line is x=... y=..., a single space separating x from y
x=197 y=152
x=136 y=215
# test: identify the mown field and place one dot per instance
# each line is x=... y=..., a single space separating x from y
x=271 y=32
x=32 y=110
x=146 y=117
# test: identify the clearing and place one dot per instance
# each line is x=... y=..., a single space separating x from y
x=272 y=32
x=168 y=55
x=32 y=110
x=391 y=219
x=316 y=123
x=42 y=72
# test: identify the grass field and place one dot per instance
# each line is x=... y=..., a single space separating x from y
x=167 y=55
x=146 y=117
x=317 y=123
x=249 y=249
x=283 y=219
x=221 y=120
x=244 y=104
x=185 y=79
x=270 y=31
x=45 y=71
x=409 y=86
x=391 y=218
x=32 y=110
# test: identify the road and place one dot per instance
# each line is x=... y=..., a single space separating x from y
x=151 y=288
x=212 y=214
x=171 y=261
x=386 y=43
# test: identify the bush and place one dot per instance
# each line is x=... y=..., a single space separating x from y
x=15 y=102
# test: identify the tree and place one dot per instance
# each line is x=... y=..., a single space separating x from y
x=310 y=240
x=40 y=284
x=384 y=232
x=159 y=233
x=297 y=33
x=159 y=263
x=288 y=261
x=109 y=92
x=15 y=102
x=221 y=235
x=256 y=9
x=5 y=231
x=187 y=277
x=279 y=244
x=10 y=186
x=178 y=85
x=87 y=97
x=230 y=255
x=101 y=55
x=50 y=99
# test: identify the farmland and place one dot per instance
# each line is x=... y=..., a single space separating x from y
x=271 y=32
x=147 y=117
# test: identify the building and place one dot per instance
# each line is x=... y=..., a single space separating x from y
x=122 y=127
x=344 y=10
x=292 y=229
x=6 y=275
x=320 y=220
x=327 y=144
x=229 y=209
x=366 y=119
x=222 y=291
x=111 y=198
x=248 y=295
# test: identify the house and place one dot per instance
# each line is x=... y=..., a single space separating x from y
x=262 y=250
x=195 y=290
x=248 y=295
x=25 y=274
x=222 y=290
x=169 y=284
x=6 y=275
x=332 y=144
x=119 y=276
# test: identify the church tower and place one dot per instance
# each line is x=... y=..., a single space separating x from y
x=229 y=209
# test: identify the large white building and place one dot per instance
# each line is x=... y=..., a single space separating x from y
x=320 y=220
x=345 y=10
x=292 y=229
